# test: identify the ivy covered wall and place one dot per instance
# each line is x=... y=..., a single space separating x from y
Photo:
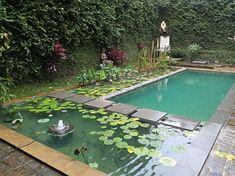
x=30 y=28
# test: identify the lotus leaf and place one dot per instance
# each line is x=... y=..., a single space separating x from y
x=121 y=145
x=103 y=127
x=127 y=136
x=93 y=112
x=156 y=144
x=133 y=125
x=108 y=133
x=108 y=142
x=142 y=136
x=126 y=131
x=152 y=136
x=179 y=148
x=143 y=141
x=93 y=117
x=114 y=123
x=86 y=116
x=144 y=125
x=124 y=127
x=167 y=161
x=134 y=133
x=117 y=139
x=141 y=151
x=93 y=133
x=94 y=165
x=130 y=149
x=103 y=138
x=154 y=153
x=43 y=120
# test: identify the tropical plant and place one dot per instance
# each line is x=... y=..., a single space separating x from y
x=5 y=85
x=193 y=51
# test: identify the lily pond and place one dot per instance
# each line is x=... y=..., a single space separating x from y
x=113 y=143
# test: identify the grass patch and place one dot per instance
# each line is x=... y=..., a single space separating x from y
x=31 y=89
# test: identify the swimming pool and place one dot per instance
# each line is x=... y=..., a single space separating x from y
x=192 y=94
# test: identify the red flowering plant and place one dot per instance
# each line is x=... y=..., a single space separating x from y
x=116 y=55
x=59 y=55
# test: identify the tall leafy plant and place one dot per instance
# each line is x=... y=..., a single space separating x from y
x=5 y=85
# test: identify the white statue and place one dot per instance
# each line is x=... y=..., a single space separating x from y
x=163 y=26
x=233 y=39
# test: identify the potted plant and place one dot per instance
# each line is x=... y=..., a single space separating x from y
x=5 y=85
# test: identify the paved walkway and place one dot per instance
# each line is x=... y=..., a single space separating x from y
x=16 y=163
x=216 y=166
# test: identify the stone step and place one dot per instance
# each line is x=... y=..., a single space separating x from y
x=122 y=109
x=149 y=115
x=80 y=99
x=62 y=95
x=180 y=122
x=99 y=103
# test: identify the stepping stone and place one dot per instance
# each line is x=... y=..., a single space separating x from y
x=149 y=115
x=180 y=122
x=80 y=99
x=62 y=95
x=99 y=103
x=122 y=109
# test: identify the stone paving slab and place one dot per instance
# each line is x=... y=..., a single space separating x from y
x=148 y=115
x=80 y=99
x=180 y=122
x=14 y=162
x=62 y=95
x=99 y=103
x=122 y=109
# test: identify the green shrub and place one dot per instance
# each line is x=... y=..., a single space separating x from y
x=222 y=56
x=5 y=85
x=193 y=51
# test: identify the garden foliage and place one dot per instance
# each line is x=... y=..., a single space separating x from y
x=29 y=29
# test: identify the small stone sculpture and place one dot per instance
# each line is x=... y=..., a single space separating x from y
x=233 y=39
x=105 y=59
x=163 y=27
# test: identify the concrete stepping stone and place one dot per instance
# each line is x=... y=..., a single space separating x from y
x=149 y=115
x=62 y=95
x=122 y=109
x=180 y=122
x=99 y=103
x=80 y=99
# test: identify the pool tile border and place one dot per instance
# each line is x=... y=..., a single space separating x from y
x=47 y=155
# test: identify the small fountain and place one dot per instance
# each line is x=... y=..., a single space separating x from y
x=61 y=129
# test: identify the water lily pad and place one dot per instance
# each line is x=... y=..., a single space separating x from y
x=127 y=136
x=133 y=125
x=86 y=116
x=144 y=125
x=134 y=133
x=94 y=165
x=152 y=136
x=179 y=148
x=93 y=117
x=50 y=115
x=43 y=120
x=167 y=161
x=143 y=141
x=124 y=127
x=117 y=139
x=126 y=131
x=142 y=136
x=121 y=145
x=130 y=149
x=93 y=133
x=156 y=144
x=114 y=123
x=108 y=142
x=103 y=127
x=154 y=153
x=141 y=151
x=103 y=138
x=108 y=133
